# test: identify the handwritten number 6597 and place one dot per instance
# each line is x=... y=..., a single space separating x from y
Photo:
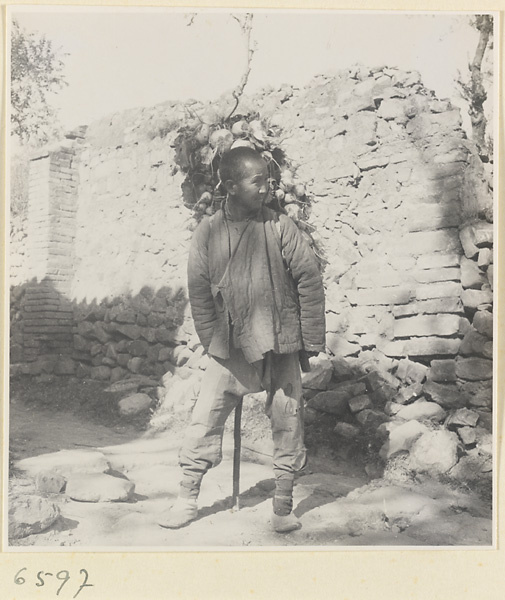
x=62 y=575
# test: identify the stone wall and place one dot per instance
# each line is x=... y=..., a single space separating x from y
x=397 y=193
x=399 y=204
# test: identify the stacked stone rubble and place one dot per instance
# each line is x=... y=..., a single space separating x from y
x=147 y=334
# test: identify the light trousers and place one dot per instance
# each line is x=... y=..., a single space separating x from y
x=224 y=384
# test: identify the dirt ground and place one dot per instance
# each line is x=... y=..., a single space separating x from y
x=338 y=504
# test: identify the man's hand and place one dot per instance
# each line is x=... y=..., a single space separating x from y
x=304 y=356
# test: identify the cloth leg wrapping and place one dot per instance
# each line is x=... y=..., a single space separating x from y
x=283 y=496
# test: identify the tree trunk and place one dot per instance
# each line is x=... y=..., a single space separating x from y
x=484 y=24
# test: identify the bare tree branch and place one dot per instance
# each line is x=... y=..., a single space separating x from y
x=246 y=26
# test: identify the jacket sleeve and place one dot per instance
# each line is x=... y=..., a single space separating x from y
x=199 y=289
x=302 y=263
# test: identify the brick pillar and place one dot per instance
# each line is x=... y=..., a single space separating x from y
x=52 y=204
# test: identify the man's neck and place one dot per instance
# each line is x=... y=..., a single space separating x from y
x=235 y=212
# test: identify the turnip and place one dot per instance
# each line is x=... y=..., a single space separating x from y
x=244 y=143
x=279 y=194
x=293 y=211
x=206 y=155
x=210 y=116
x=299 y=190
x=257 y=130
x=202 y=137
x=205 y=198
x=240 y=128
x=287 y=179
x=221 y=140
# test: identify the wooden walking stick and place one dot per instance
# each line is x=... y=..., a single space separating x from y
x=236 y=455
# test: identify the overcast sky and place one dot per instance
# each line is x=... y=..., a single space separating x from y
x=121 y=59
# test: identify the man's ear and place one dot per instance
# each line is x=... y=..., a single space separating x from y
x=230 y=186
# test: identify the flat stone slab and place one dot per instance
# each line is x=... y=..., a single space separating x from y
x=65 y=463
x=427 y=325
x=443 y=371
x=422 y=410
x=99 y=487
x=474 y=369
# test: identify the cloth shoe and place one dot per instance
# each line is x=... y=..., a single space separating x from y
x=181 y=513
x=285 y=523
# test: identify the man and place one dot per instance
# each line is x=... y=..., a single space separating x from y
x=257 y=301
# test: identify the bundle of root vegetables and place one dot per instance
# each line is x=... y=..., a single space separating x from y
x=198 y=152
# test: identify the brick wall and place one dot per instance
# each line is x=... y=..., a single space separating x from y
x=42 y=327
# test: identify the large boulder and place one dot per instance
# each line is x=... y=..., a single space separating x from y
x=435 y=452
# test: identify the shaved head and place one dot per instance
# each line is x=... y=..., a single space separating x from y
x=234 y=163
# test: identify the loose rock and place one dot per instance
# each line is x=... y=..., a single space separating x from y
x=401 y=438
x=448 y=396
x=463 y=417
x=49 y=482
x=422 y=410
x=135 y=404
x=467 y=436
x=31 y=514
x=347 y=430
x=332 y=402
x=320 y=375
x=435 y=452
x=359 y=403
x=99 y=487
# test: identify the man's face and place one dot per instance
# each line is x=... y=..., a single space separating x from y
x=250 y=191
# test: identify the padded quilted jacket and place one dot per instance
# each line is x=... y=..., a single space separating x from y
x=269 y=287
